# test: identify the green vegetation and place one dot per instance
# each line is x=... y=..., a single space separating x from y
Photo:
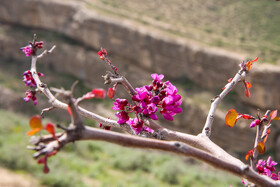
x=249 y=27
x=101 y=164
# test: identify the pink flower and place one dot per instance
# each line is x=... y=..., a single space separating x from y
x=136 y=124
x=123 y=117
x=27 y=50
x=30 y=95
x=270 y=164
x=120 y=104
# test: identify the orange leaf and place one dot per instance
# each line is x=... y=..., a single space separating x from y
x=273 y=114
x=266 y=136
x=35 y=124
x=261 y=147
x=276 y=118
x=249 y=65
x=230 y=118
x=33 y=131
x=250 y=153
x=248 y=85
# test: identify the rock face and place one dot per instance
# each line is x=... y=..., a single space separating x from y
x=139 y=52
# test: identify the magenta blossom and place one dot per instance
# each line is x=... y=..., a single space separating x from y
x=147 y=129
x=157 y=77
x=30 y=95
x=29 y=80
x=147 y=101
x=27 y=50
x=136 y=124
x=267 y=167
x=30 y=49
x=270 y=164
x=120 y=104
x=123 y=117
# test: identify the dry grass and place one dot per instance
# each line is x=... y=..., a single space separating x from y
x=250 y=27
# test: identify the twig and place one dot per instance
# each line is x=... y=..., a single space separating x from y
x=210 y=117
x=46 y=52
x=258 y=139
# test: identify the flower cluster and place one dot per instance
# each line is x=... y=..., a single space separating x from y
x=30 y=48
x=267 y=168
x=30 y=95
x=29 y=81
x=27 y=50
x=148 y=100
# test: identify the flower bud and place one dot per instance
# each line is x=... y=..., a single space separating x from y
x=254 y=123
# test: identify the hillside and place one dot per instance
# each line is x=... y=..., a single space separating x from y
x=248 y=27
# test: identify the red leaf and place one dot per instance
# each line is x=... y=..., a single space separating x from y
x=99 y=93
x=46 y=168
x=111 y=93
x=249 y=153
x=95 y=93
x=69 y=110
x=231 y=117
x=42 y=160
x=256 y=59
x=246 y=116
x=50 y=128
x=261 y=147
x=247 y=92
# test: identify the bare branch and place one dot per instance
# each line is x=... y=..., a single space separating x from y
x=46 y=110
x=46 y=52
x=210 y=117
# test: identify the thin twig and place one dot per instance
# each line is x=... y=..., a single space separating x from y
x=210 y=117
x=46 y=52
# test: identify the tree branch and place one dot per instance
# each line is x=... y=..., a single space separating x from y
x=210 y=117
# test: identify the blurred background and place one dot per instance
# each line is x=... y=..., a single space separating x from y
x=197 y=45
